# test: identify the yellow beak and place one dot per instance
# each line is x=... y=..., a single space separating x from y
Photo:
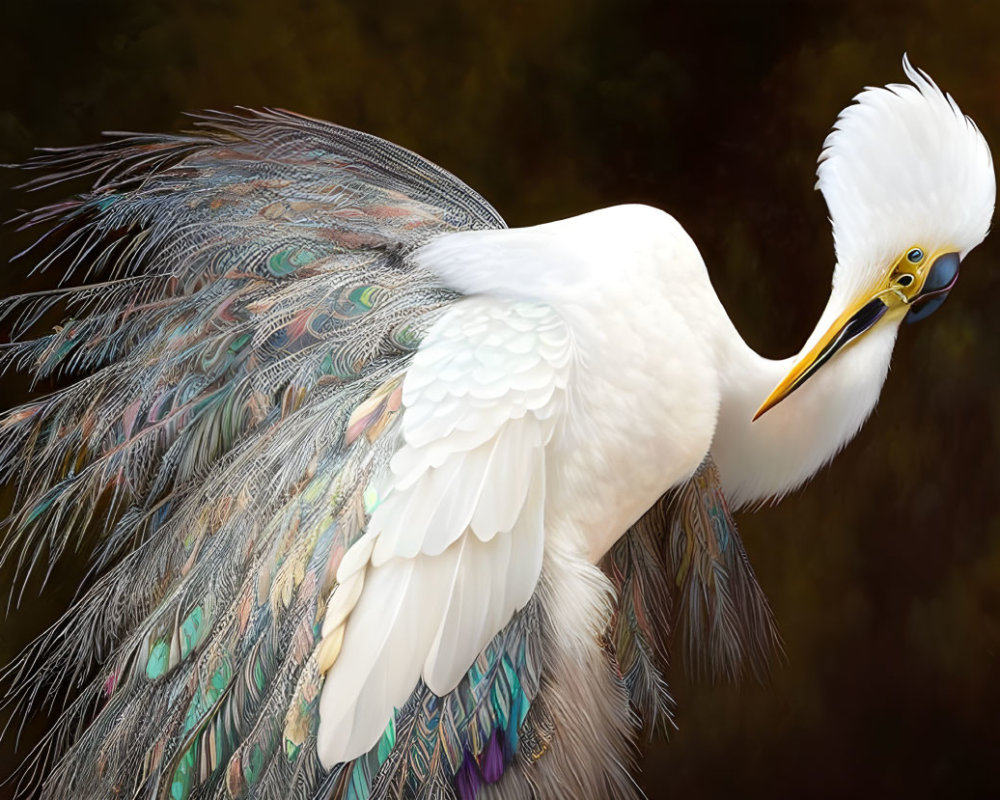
x=916 y=290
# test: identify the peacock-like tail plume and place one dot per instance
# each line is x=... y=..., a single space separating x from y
x=682 y=575
x=239 y=310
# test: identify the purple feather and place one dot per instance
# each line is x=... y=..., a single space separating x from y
x=491 y=760
x=467 y=781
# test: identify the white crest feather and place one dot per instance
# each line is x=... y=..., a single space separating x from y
x=903 y=167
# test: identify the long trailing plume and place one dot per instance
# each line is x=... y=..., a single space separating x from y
x=240 y=309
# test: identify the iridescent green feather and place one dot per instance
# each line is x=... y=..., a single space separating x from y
x=251 y=288
x=249 y=302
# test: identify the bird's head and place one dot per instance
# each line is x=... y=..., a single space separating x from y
x=910 y=186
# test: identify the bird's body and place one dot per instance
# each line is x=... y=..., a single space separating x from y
x=387 y=479
x=642 y=392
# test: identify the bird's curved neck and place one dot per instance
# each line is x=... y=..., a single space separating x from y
x=789 y=443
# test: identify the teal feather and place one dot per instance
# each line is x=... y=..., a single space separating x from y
x=359 y=787
x=158 y=659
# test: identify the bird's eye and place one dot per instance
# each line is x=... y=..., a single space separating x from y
x=905 y=279
x=915 y=256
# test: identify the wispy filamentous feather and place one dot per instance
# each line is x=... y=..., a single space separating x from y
x=641 y=626
x=722 y=617
x=255 y=291
x=681 y=573
x=241 y=307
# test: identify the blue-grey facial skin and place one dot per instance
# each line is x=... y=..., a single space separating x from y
x=943 y=274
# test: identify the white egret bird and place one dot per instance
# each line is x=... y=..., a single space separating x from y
x=380 y=480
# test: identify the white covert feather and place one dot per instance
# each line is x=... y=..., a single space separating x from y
x=455 y=545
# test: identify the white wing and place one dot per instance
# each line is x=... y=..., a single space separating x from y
x=454 y=545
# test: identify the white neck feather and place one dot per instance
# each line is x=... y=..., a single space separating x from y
x=902 y=168
x=617 y=274
x=787 y=445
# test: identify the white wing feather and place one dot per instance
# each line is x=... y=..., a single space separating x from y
x=455 y=545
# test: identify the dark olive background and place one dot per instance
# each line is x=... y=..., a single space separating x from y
x=884 y=572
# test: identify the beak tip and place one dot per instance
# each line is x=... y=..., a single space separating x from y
x=850 y=325
x=770 y=402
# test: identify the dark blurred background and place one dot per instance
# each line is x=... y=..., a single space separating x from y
x=884 y=573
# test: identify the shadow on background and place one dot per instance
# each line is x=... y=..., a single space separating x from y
x=885 y=572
